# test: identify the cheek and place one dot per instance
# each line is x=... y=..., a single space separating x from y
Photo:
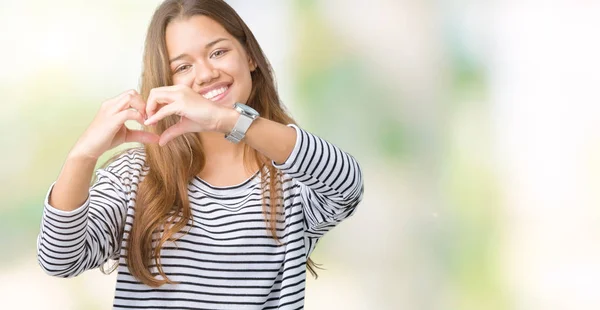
x=235 y=68
x=246 y=82
x=186 y=79
x=241 y=74
x=245 y=74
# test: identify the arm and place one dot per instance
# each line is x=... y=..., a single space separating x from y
x=331 y=180
x=81 y=226
x=263 y=132
x=71 y=188
x=72 y=241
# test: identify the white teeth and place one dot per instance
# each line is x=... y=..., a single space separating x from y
x=215 y=92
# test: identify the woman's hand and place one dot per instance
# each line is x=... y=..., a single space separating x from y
x=197 y=113
x=108 y=129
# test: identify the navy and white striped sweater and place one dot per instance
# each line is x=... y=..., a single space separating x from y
x=228 y=259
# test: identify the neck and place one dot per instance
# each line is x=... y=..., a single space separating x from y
x=217 y=150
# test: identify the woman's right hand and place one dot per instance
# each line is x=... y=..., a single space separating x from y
x=108 y=129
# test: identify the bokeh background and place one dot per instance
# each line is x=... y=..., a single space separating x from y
x=477 y=124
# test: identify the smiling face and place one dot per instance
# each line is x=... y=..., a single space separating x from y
x=209 y=60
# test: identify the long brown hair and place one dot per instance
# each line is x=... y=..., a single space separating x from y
x=162 y=204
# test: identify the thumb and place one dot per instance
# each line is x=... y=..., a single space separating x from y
x=141 y=136
x=173 y=131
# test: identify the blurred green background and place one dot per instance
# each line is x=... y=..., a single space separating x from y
x=476 y=124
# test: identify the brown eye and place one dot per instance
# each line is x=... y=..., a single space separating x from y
x=182 y=68
x=218 y=53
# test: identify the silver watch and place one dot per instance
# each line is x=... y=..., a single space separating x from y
x=247 y=116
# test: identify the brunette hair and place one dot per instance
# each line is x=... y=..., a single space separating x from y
x=162 y=206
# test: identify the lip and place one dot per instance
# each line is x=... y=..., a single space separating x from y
x=205 y=90
x=221 y=96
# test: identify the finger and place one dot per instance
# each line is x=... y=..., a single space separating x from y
x=173 y=132
x=129 y=115
x=136 y=102
x=122 y=101
x=123 y=94
x=159 y=96
x=141 y=136
x=170 y=109
x=110 y=103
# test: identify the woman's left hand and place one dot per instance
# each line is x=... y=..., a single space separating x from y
x=197 y=113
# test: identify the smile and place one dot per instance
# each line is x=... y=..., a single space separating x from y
x=216 y=94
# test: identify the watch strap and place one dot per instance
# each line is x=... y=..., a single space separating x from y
x=239 y=130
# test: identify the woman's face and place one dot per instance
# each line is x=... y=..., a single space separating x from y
x=209 y=60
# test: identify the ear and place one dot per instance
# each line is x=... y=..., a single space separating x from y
x=251 y=64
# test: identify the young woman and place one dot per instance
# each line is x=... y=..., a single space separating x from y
x=224 y=203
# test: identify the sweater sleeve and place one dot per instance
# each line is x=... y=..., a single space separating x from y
x=331 y=183
x=71 y=242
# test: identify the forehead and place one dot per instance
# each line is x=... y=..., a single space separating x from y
x=193 y=33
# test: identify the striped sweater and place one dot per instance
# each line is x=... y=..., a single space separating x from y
x=228 y=259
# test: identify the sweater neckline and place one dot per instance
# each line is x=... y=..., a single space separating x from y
x=249 y=182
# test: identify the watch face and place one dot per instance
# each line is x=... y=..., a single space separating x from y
x=246 y=109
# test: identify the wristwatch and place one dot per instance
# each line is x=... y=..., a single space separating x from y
x=247 y=116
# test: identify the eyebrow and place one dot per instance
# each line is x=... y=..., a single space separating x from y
x=207 y=46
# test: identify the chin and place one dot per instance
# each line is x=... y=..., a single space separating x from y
x=228 y=104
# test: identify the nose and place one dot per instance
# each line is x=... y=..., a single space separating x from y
x=205 y=73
